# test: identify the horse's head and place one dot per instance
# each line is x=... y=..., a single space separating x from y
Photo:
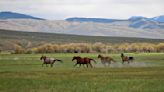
x=122 y=55
x=42 y=57
x=75 y=57
x=99 y=56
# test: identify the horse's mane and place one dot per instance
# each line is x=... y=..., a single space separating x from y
x=77 y=57
x=99 y=56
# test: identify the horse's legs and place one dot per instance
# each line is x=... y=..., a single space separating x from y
x=104 y=64
x=87 y=65
x=109 y=63
x=90 y=65
x=122 y=62
x=80 y=65
x=51 y=65
x=83 y=66
x=128 y=61
x=75 y=64
x=42 y=64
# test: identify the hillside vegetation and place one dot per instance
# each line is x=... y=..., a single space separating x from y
x=29 y=42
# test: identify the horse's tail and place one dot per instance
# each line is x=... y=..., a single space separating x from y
x=58 y=60
x=93 y=60
x=131 y=58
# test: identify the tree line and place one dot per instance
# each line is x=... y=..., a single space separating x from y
x=97 y=47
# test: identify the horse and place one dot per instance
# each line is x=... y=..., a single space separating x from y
x=126 y=58
x=50 y=61
x=105 y=60
x=84 y=61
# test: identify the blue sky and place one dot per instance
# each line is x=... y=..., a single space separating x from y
x=61 y=9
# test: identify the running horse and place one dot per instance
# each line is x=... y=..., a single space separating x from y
x=106 y=59
x=84 y=61
x=126 y=58
x=47 y=60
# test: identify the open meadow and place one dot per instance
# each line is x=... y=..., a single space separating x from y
x=24 y=73
x=81 y=46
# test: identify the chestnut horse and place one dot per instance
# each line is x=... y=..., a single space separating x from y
x=105 y=60
x=83 y=61
x=126 y=58
x=47 y=60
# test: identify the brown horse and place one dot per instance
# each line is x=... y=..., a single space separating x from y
x=47 y=60
x=126 y=58
x=84 y=61
x=106 y=60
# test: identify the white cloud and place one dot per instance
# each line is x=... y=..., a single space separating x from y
x=60 y=9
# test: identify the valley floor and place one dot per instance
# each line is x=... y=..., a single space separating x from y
x=24 y=73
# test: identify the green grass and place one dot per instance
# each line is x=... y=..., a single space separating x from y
x=24 y=73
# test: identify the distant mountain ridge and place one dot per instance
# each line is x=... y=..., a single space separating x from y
x=136 y=26
x=100 y=20
x=138 y=22
x=105 y=20
x=13 y=15
x=159 y=18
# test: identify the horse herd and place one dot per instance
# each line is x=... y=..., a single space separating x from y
x=105 y=60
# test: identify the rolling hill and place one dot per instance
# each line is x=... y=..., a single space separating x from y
x=8 y=35
x=121 y=29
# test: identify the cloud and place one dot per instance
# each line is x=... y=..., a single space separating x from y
x=60 y=9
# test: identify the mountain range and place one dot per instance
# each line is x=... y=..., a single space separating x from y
x=135 y=26
x=13 y=15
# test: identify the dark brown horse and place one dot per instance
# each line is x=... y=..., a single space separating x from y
x=84 y=61
x=106 y=60
x=47 y=60
x=126 y=58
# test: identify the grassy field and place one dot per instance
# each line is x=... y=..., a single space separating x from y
x=24 y=73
